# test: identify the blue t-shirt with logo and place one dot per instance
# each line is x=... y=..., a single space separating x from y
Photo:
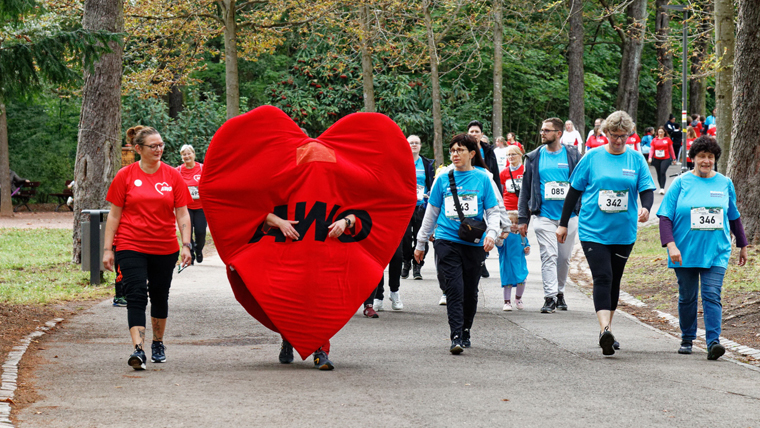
x=421 y=187
x=611 y=185
x=553 y=167
x=475 y=196
x=698 y=207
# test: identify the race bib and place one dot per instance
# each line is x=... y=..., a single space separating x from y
x=613 y=201
x=556 y=190
x=659 y=153
x=420 y=192
x=469 y=204
x=194 y=192
x=707 y=218
x=514 y=185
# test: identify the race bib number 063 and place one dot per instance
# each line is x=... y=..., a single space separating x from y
x=707 y=218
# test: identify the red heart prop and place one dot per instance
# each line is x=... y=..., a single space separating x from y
x=261 y=162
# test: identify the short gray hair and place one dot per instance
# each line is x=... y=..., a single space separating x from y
x=186 y=147
x=618 y=121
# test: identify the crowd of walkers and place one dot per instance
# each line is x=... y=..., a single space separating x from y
x=595 y=190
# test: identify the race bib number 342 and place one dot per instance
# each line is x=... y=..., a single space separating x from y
x=613 y=201
x=556 y=190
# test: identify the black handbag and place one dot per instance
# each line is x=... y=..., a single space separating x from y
x=514 y=185
x=470 y=229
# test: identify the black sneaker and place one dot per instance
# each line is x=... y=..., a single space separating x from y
x=715 y=351
x=158 y=352
x=466 y=338
x=199 y=257
x=321 y=361
x=286 y=352
x=685 y=347
x=456 y=346
x=416 y=272
x=561 y=304
x=137 y=359
x=607 y=341
x=549 y=305
x=120 y=302
x=405 y=271
x=484 y=271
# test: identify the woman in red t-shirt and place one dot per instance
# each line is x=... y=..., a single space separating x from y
x=661 y=155
x=512 y=141
x=634 y=141
x=190 y=171
x=511 y=177
x=691 y=135
x=596 y=140
x=147 y=197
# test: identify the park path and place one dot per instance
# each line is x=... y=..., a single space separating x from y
x=525 y=368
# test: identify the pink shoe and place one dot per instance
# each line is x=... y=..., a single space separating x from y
x=519 y=304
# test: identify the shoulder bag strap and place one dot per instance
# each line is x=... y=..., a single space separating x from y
x=453 y=187
x=514 y=186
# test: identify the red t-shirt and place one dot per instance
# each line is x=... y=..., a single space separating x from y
x=634 y=141
x=698 y=129
x=688 y=147
x=594 y=141
x=662 y=148
x=510 y=196
x=192 y=177
x=516 y=143
x=148 y=201
x=711 y=130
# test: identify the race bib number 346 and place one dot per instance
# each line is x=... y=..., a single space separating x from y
x=556 y=190
x=707 y=218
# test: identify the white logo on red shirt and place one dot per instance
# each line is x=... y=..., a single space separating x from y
x=197 y=177
x=138 y=182
x=164 y=187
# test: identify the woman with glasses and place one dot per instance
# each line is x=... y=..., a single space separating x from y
x=610 y=181
x=147 y=198
x=191 y=174
x=511 y=177
x=661 y=155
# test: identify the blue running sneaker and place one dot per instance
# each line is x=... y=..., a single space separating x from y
x=137 y=359
x=158 y=351
x=286 y=352
x=321 y=361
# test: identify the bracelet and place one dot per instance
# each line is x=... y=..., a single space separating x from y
x=107 y=249
x=348 y=222
x=190 y=246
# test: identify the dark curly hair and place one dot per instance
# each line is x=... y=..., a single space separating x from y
x=705 y=143
x=467 y=141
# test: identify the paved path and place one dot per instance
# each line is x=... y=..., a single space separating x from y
x=524 y=369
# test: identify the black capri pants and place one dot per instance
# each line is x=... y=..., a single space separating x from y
x=144 y=275
x=607 y=263
x=198 y=228
x=460 y=266
x=661 y=166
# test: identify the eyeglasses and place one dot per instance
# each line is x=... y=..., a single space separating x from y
x=155 y=147
x=513 y=154
x=613 y=137
x=415 y=143
x=457 y=151
x=546 y=131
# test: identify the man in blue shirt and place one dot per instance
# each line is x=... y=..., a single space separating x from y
x=544 y=187
x=709 y=121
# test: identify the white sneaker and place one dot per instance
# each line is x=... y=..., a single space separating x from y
x=442 y=302
x=377 y=305
x=507 y=307
x=519 y=304
x=662 y=191
x=396 y=301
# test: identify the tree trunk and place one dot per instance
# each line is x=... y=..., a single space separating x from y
x=367 y=67
x=99 y=146
x=6 y=205
x=664 y=97
x=724 y=76
x=630 y=65
x=575 y=79
x=436 y=85
x=744 y=159
x=231 y=59
x=175 y=101
x=698 y=86
x=498 y=69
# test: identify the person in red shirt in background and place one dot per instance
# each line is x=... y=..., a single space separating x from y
x=190 y=171
x=661 y=155
x=696 y=123
x=634 y=141
x=511 y=141
x=511 y=177
x=147 y=197
x=691 y=135
x=596 y=139
x=711 y=130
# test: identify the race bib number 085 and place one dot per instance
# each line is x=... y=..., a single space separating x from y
x=707 y=218
x=556 y=190
x=469 y=204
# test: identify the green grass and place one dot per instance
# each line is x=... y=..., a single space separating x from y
x=36 y=269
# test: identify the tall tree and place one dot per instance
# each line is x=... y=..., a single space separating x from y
x=99 y=146
x=698 y=81
x=434 y=82
x=498 y=68
x=744 y=160
x=368 y=70
x=724 y=76
x=575 y=74
x=630 y=64
x=34 y=50
x=664 y=97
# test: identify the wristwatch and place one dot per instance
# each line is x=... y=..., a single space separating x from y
x=348 y=222
x=190 y=246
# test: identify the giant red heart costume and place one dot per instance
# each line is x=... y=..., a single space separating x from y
x=260 y=163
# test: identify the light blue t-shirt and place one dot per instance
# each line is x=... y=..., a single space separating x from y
x=710 y=120
x=553 y=168
x=692 y=204
x=611 y=185
x=646 y=143
x=475 y=196
x=513 y=267
x=421 y=187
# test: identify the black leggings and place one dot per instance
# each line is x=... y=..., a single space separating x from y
x=607 y=263
x=661 y=166
x=409 y=242
x=144 y=275
x=198 y=228
x=394 y=274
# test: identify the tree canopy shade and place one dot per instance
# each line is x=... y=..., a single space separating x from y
x=33 y=51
